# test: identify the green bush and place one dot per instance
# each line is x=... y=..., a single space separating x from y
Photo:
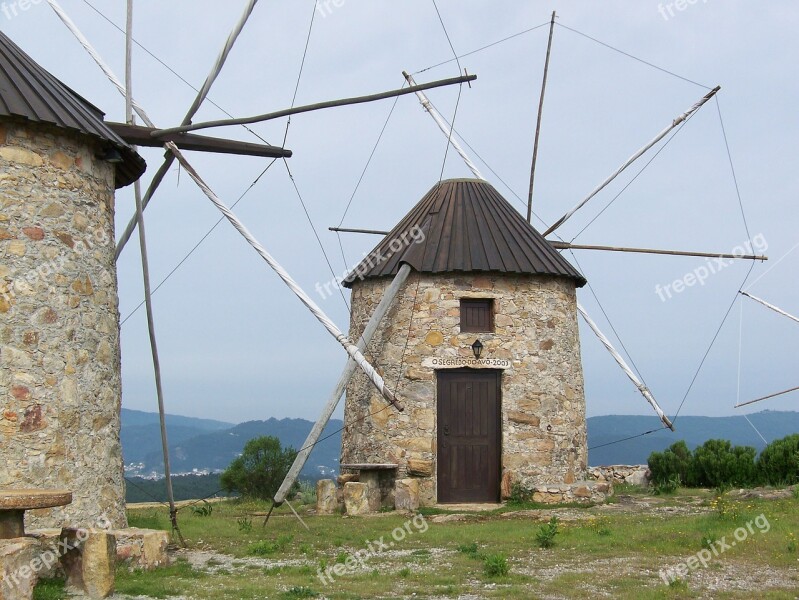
x=717 y=463
x=260 y=469
x=673 y=463
x=778 y=464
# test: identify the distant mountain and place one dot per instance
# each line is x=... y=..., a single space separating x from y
x=205 y=446
x=202 y=446
x=694 y=430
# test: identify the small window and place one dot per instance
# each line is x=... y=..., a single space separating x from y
x=477 y=315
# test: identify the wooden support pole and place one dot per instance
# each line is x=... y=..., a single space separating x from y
x=137 y=135
x=767 y=397
x=371 y=327
x=538 y=122
x=318 y=106
x=348 y=230
x=148 y=300
x=568 y=246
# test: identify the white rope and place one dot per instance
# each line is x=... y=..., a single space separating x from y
x=641 y=387
x=446 y=129
x=765 y=441
x=682 y=118
x=351 y=348
x=200 y=98
x=771 y=306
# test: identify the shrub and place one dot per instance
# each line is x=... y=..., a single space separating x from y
x=667 y=487
x=495 y=565
x=717 y=463
x=545 y=536
x=260 y=469
x=244 y=524
x=203 y=510
x=468 y=549
x=778 y=464
x=673 y=463
x=519 y=494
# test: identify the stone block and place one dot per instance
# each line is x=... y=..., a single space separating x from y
x=18 y=568
x=372 y=481
x=420 y=468
x=90 y=562
x=50 y=551
x=141 y=549
x=347 y=477
x=326 y=500
x=406 y=494
x=356 y=498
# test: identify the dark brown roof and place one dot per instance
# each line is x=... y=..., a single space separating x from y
x=29 y=92
x=468 y=227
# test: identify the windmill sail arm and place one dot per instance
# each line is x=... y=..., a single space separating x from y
x=627 y=370
x=771 y=306
x=681 y=119
x=445 y=128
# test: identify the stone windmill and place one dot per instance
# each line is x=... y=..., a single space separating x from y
x=484 y=342
x=60 y=387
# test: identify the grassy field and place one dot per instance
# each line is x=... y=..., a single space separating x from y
x=692 y=544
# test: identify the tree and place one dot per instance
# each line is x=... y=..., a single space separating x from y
x=260 y=469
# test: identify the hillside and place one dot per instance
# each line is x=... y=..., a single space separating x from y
x=204 y=446
x=694 y=430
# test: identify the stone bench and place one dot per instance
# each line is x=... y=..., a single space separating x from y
x=379 y=481
x=14 y=503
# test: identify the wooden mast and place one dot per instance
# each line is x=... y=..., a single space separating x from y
x=538 y=122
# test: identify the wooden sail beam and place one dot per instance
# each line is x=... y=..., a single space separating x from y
x=568 y=246
x=137 y=135
x=443 y=126
x=767 y=397
x=332 y=402
x=678 y=121
x=318 y=106
x=538 y=122
x=776 y=309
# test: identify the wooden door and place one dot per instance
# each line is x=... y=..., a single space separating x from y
x=469 y=435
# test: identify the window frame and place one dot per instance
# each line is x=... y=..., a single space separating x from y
x=472 y=328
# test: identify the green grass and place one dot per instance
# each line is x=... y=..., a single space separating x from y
x=283 y=560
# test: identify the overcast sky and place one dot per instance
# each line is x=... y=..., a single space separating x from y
x=237 y=345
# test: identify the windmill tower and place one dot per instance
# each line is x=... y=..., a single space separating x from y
x=60 y=387
x=478 y=417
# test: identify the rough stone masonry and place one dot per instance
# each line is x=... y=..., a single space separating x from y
x=60 y=387
x=543 y=402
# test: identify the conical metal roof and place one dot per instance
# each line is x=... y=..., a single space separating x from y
x=468 y=227
x=29 y=92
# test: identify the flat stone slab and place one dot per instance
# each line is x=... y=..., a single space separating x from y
x=33 y=499
x=14 y=503
x=370 y=467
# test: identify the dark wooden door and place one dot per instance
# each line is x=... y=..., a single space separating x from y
x=469 y=435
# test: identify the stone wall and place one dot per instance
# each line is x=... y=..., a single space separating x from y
x=543 y=404
x=60 y=385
